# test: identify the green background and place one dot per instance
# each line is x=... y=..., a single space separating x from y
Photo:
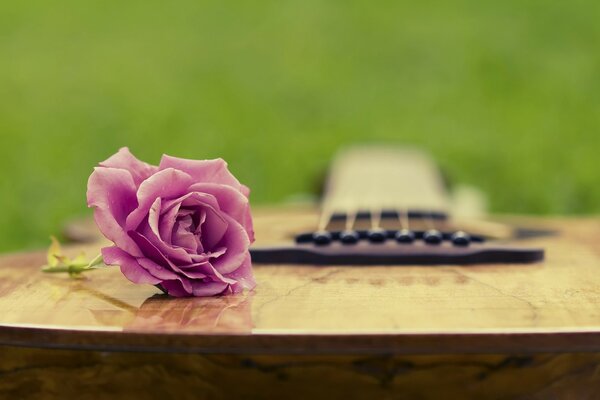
x=505 y=94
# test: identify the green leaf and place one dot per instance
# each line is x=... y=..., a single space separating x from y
x=53 y=251
x=57 y=262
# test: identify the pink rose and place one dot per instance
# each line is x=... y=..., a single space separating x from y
x=184 y=226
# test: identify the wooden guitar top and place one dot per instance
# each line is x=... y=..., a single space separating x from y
x=550 y=306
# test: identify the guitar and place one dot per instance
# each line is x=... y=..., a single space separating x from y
x=383 y=292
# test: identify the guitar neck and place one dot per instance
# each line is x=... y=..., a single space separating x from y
x=381 y=179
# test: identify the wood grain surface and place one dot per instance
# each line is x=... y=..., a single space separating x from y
x=553 y=306
x=67 y=374
x=412 y=332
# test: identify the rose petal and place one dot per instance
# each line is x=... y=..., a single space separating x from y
x=166 y=222
x=111 y=192
x=206 y=256
x=214 y=228
x=183 y=235
x=154 y=254
x=245 y=190
x=175 y=288
x=191 y=199
x=150 y=250
x=154 y=216
x=156 y=270
x=201 y=219
x=123 y=159
x=215 y=225
x=190 y=272
x=236 y=242
x=202 y=289
x=243 y=276
x=231 y=201
x=174 y=254
x=129 y=265
x=166 y=184
x=209 y=270
x=202 y=170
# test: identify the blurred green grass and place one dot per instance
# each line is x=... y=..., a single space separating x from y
x=505 y=94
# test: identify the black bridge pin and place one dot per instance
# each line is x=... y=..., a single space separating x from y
x=433 y=236
x=322 y=238
x=460 y=238
x=349 y=237
x=377 y=235
x=405 y=236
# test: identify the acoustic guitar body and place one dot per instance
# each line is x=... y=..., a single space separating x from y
x=422 y=331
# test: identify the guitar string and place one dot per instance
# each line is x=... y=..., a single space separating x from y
x=404 y=219
x=350 y=220
x=375 y=217
x=348 y=206
x=443 y=225
x=324 y=220
x=428 y=219
x=434 y=223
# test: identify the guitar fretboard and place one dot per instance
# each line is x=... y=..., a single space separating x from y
x=379 y=180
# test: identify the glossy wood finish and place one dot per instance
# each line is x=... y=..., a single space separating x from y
x=553 y=306
x=66 y=374
x=527 y=331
